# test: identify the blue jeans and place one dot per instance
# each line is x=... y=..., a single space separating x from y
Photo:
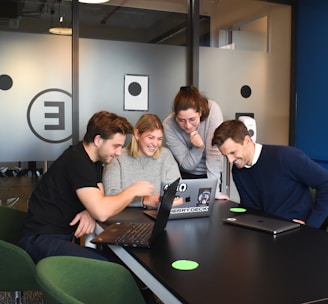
x=44 y=245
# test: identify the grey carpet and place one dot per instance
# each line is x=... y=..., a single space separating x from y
x=28 y=297
x=35 y=297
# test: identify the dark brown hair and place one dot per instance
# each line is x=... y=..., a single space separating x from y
x=106 y=125
x=189 y=97
x=234 y=129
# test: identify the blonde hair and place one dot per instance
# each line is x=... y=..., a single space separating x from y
x=147 y=122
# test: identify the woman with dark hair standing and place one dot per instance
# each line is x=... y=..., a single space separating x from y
x=189 y=131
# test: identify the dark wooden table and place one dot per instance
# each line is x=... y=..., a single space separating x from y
x=236 y=265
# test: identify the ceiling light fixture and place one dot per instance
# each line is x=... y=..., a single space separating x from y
x=65 y=31
x=57 y=22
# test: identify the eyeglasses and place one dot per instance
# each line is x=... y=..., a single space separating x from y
x=191 y=120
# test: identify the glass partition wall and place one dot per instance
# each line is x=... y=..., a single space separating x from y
x=243 y=63
x=247 y=69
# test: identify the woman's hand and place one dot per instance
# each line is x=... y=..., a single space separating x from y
x=196 y=140
x=177 y=201
x=222 y=196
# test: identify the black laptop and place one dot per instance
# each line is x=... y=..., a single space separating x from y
x=261 y=222
x=140 y=234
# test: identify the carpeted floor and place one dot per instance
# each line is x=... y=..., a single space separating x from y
x=28 y=297
x=35 y=297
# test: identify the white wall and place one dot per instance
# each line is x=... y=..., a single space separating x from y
x=104 y=64
x=39 y=62
x=223 y=73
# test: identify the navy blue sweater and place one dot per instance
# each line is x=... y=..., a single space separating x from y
x=279 y=184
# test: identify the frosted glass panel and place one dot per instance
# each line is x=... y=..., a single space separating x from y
x=224 y=74
x=35 y=111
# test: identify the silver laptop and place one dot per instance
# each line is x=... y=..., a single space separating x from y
x=262 y=223
x=139 y=234
x=198 y=198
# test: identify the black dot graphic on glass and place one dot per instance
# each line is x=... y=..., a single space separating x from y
x=134 y=88
x=245 y=91
x=5 y=82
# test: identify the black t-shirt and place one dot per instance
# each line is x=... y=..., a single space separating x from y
x=54 y=203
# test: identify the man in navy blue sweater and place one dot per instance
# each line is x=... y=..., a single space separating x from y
x=272 y=178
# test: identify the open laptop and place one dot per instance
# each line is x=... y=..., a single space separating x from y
x=198 y=198
x=263 y=223
x=140 y=234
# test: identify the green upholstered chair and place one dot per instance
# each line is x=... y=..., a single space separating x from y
x=17 y=269
x=11 y=221
x=324 y=226
x=313 y=192
x=69 y=279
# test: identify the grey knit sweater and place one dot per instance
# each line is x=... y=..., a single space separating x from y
x=125 y=170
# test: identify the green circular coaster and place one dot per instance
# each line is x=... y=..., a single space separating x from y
x=237 y=209
x=185 y=265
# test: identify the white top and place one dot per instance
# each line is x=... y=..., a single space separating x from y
x=257 y=152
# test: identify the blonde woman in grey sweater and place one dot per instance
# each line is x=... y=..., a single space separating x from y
x=144 y=159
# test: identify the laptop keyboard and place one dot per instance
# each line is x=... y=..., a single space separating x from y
x=137 y=234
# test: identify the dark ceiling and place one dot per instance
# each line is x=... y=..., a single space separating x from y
x=96 y=21
x=154 y=21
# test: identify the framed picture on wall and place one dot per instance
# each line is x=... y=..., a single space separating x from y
x=136 y=92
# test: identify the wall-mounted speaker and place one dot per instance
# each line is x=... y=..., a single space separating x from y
x=250 y=124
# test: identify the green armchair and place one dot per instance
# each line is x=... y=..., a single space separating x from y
x=17 y=269
x=70 y=280
x=11 y=222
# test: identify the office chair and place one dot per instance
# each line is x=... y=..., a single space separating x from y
x=11 y=222
x=17 y=269
x=16 y=266
x=70 y=280
x=324 y=225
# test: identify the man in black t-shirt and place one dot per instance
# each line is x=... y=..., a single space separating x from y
x=70 y=198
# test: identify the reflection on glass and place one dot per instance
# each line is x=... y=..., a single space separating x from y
x=150 y=21
x=229 y=24
x=239 y=24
